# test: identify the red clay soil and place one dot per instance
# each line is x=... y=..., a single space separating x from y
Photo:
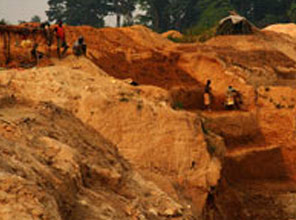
x=245 y=62
x=148 y=58
x=159 y=69
x=109 y=48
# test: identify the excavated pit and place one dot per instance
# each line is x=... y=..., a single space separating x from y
x=257 y=172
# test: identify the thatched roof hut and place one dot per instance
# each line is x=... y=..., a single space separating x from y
x=234 y=25
x=6 y=32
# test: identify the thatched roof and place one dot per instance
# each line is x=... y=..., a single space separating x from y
x=234 y=24
x=19 y=30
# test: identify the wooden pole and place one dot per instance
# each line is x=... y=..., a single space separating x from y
x=8 y=48
x=5 y=46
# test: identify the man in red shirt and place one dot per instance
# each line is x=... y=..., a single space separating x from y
x=61 y=40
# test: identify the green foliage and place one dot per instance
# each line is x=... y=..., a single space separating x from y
x=189 y=16
x=211 y=149
x=200 y=34
x=36 y=19
x=78 y=12
x=57 y=10
x=124 y=99
x=90 y=12
x=184 y=39
x=178 y=105
x=156 y=15
x=163 y=15
x=210 y=12
x=264 y=12
x=292 y=12
x=3 y=22
x=21 y=21
x=199 y=16
x=123 y=8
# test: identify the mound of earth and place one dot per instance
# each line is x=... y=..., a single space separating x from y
x=55 y=167
x=172 y=34
x=162 y=117
x=148 y=58
x=289 y=29
x=139 y=120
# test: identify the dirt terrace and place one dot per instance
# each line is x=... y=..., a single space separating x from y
x=259 y=152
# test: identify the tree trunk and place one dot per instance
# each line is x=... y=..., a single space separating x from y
x=118 y=20
x=155 y=20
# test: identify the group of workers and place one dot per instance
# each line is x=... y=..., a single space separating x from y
x=232 y=101
x=79 y=47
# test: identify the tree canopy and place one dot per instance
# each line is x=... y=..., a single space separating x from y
x=89 y=12
x=162 y=15
x=36 y=19
x=79 y=12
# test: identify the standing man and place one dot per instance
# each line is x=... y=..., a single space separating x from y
x=48 y=34
x=37 y=55
x=230 y=101
x=61 y=40
x=208 y=96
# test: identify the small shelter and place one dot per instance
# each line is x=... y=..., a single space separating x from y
x=6 y=32
x=234 y=25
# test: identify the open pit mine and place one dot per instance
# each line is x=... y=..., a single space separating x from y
x=122 y=132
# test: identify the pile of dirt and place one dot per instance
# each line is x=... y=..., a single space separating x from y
x=55 y=167
x=148 y=125
x=172 y=34
x=148 y=58
x=151 y=116
x=289 y=29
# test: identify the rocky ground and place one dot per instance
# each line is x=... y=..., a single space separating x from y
x=80 y=142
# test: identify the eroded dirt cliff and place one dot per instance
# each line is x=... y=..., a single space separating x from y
x=215 y=165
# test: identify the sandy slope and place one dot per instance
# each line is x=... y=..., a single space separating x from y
x=179 y=150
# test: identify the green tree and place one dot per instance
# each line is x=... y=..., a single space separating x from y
x=209 y=13
x=123 y=8
x=36 y=19
x=57 y=10
x=21 y=21
x=264 y=12
x=156 y=14
x=79 y=12
x=162 y=15
x=3 y=22
x=291 y=12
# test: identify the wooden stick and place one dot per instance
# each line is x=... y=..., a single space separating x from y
x=8 y=48
x=5 y=46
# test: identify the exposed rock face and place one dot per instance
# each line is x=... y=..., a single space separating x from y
x=178 y=150
x=55 y=167
x=155 y=138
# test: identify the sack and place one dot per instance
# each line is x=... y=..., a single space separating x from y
x=230 y=100
x=26 y=44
